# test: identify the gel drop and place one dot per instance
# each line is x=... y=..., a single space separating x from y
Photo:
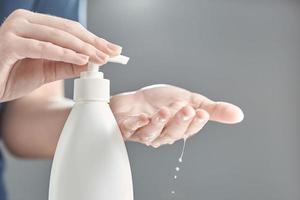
x=180 y=160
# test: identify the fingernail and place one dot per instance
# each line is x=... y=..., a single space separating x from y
x=160 y=119
x=185 y=116
x=143 y=139
x=171 y=143
x=127 y=123
x=114 y=47
x=102 y=56
x=200 y=120
x=150 y=137
x=143 y=120
x=128 y=134
x=166 y=140
x=147 y=140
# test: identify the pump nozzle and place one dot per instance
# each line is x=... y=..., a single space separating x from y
x=92 y=67
x=117 y=59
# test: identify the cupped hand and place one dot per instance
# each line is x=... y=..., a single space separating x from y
x=162 y=114
x=36 y=49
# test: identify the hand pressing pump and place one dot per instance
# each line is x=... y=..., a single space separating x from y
x=91 y=161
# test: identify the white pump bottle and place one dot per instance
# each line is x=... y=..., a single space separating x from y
x=91 y=161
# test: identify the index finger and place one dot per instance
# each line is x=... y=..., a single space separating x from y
x=76 y=29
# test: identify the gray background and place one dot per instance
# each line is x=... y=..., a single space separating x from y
x=243 y=51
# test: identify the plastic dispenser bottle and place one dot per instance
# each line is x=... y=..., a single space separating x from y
x=91 y=161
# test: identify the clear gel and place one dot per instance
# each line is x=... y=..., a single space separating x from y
x=180 y=160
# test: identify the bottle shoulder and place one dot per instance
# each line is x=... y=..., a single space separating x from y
x=91 y=115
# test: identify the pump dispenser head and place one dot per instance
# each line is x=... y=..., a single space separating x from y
x=91 y=86
x=119 y=59
x=93 y=67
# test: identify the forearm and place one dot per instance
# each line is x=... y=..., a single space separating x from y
x=32 y=124
x=31 y=128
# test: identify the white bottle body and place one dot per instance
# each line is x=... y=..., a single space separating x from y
x=91 y=160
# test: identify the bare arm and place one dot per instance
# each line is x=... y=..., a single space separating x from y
x=36 y=49
x=32 y=124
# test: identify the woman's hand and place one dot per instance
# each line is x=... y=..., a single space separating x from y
x=162 y=114
x=36 y=49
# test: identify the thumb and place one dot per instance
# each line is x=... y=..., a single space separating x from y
x=54 y=70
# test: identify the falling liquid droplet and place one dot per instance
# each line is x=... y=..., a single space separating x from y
x=183 y=149
x=180 y=161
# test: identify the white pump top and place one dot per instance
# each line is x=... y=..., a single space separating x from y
x=91 y=86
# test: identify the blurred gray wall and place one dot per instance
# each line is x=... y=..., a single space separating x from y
x=243 y=51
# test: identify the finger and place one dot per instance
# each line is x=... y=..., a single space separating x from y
x=198 y=122
x=54 y=71
x=151 y=131
x=130 y=124
x=176 y=127
x=174 y=107
x=218 y=111
x=30 y=48
x=62 y=39
x=77 y=30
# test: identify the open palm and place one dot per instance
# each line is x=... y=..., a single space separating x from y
x=162 y=114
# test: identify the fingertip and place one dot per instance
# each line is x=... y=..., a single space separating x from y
x=132 y=123
x=202 y=114
x=81 y=59
x=186 y=113
x=105 y=59
x=114 y=49
x=232 y=114
x=196 y=100
x=101 y=58
x=164 y=112
x=143 y=120
x=143 y=116
x=239 y=115
x=161 y=117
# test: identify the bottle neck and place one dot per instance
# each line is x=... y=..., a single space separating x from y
x=91 y=86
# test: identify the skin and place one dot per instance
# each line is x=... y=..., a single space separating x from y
x=30 y=59
x=37 y=49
